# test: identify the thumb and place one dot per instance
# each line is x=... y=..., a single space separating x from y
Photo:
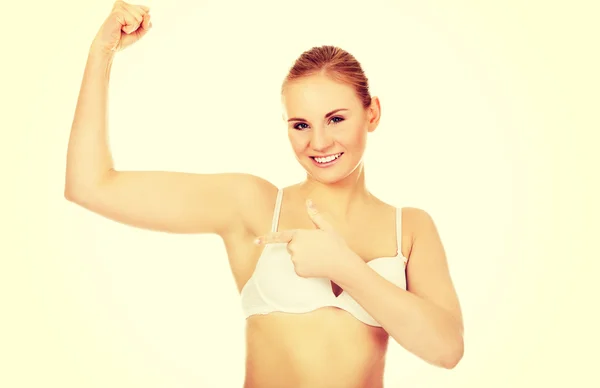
x=317 y=217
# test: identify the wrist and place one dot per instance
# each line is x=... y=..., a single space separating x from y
x=100 y=61
x=351 y=268
x=100 y=53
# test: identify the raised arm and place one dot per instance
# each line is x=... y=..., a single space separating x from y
x=164 y=201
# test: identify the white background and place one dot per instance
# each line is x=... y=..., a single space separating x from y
x=488 y=124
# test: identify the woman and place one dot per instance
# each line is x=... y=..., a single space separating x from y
x=326 y=271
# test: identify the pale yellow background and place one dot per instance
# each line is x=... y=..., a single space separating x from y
x=490 y=122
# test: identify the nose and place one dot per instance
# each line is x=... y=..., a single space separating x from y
x=320 y=140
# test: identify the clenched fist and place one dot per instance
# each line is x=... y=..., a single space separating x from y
x=125 y=25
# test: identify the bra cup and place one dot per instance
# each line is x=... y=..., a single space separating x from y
x=347 y=303
x=392 y=269
x=275 y=286
x=280 y=286
x=282 y=289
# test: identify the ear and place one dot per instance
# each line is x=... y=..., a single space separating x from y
x=374 y=114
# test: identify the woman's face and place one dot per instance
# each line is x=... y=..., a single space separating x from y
x=327 y=126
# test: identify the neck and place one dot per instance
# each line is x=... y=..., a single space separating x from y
x=339 y=198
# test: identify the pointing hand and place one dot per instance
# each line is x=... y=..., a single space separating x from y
x=320 y=252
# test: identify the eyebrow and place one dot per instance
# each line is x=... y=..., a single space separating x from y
x=326 y=116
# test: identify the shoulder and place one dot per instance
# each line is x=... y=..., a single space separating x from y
x=255 y=198
x=253 y=192
x=413 y=218
x=418 y=222
x=416 y=217
x=253 y=186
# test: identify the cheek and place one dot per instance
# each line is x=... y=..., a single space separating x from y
x=298 y=140
x=354 y=138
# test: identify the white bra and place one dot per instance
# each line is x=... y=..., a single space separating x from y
x=275 y=287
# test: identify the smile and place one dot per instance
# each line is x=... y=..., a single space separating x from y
x=326 y=160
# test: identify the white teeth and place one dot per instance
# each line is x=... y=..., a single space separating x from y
x=327 y=159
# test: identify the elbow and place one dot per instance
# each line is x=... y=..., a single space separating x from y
x=72 y=193
x=81 y=191
x=77 y=194
x=451 y=354
x=69 y=192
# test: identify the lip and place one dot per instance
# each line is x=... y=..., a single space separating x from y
x=328 y=164
x=325 y=156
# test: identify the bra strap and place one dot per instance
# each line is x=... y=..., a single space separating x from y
x=399 y=232
x=277 y=210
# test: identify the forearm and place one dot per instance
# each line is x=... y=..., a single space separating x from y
x=419 y=326
x=88 y=155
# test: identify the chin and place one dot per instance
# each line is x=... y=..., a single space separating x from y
x=325 y=179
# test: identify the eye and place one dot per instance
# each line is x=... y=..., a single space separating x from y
x=299 y=126
x=337 y=119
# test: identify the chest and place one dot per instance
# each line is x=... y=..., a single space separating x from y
x=275 y=286
x=375 y=238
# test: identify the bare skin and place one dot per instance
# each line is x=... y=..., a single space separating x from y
x=327 y=347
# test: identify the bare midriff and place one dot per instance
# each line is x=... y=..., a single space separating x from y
x=326 y=348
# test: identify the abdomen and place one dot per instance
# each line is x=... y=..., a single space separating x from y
x=325 y=348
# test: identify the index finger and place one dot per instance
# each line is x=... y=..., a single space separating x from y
x=276 y=237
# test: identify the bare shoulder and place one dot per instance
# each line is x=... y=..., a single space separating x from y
x=417 y=224
x=255 y=201
x=417 y=219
